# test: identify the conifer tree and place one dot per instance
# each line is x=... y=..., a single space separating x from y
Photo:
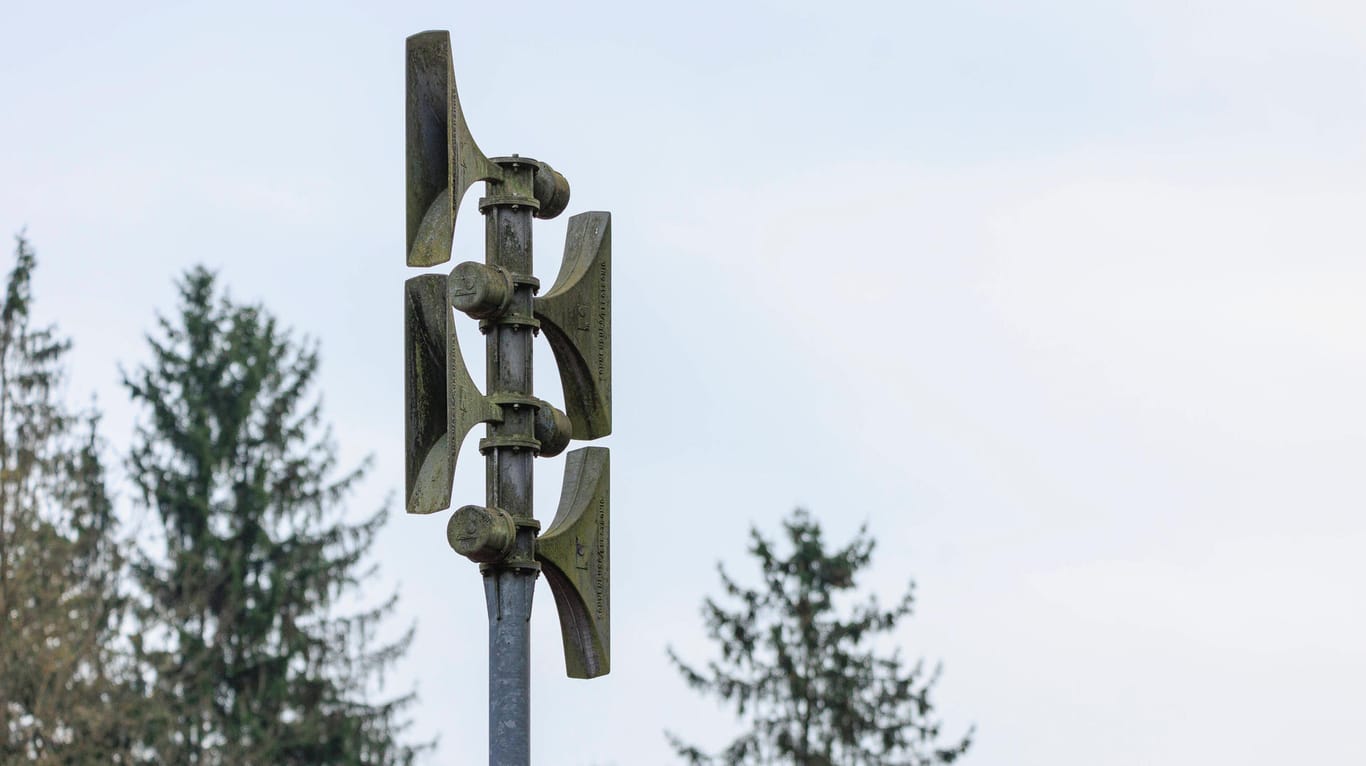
x=803 y=669
x=252 y=663
x=64 y=688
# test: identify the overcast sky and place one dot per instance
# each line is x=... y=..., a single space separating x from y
x=1063 y=299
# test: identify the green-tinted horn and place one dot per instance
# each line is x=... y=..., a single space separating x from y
x=441 y=401
x=443 y=160
x=576 y=315
x=575 y=555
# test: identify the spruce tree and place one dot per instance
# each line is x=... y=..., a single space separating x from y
x=803 y=669
x=65 y=692
x=251 y=661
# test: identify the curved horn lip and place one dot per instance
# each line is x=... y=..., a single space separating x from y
x=442 y=157
x=575 y=554
x=576 y=317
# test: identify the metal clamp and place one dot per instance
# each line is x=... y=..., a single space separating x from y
x=512 y=200
x=490 y=443
x=515 y=321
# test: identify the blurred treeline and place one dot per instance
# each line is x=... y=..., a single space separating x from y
x=215 y=632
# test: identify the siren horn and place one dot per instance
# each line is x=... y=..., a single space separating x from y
x=443 y=160
x=576 y=559
x=440 y=399
x=576 y=315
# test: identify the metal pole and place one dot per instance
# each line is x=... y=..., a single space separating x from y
x=510 y=451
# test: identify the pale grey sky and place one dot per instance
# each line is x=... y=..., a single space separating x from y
x=1062 y=298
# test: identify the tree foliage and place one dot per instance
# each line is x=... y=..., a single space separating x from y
x=804 y=671
x=61 y=678
x=250 y=659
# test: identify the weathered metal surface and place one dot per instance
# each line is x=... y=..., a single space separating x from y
x=444 y=404
x=442 y=158
x=481 y=534
x=576 y=315
x=440 y=398
x=508 y=372
x=575 y=554
x=480 y=291
x=553 y=429
x=509 y=468
x=552 y=191
x=427 y=470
